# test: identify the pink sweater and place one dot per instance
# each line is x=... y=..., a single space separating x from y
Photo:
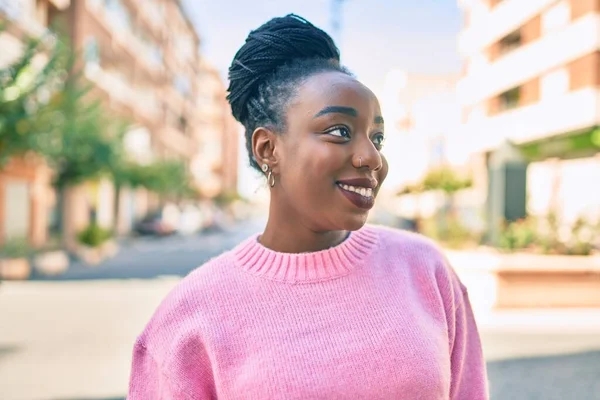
x=380 y=316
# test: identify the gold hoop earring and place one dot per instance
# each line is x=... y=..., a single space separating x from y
x=271 y=179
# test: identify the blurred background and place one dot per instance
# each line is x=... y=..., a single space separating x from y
x=121 y=170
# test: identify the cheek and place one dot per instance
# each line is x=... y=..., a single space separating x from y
x=312 y=161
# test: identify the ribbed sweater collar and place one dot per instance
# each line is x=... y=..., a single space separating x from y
x=256 y=259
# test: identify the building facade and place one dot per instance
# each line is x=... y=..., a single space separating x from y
x=143 y=61
x=215 y=166
x=532 y=79
x=413 y=136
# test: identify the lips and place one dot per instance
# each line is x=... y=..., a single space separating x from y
x=359 y=192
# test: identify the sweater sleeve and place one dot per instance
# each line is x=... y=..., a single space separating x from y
x=187 y=377
x=468 y=369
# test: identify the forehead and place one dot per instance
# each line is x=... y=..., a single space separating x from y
x=334 y=89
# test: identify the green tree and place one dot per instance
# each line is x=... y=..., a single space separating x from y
x=26 y=88
x=445 y=179
x=449 y=182
x=45 y=108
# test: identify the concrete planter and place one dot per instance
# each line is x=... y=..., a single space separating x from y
x=51 y=263
x=520 y=280
x=95 y=255
x=529 y=280
x=14 y=269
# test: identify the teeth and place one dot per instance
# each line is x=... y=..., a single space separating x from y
x=366 y=192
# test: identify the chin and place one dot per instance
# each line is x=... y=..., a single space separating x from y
x=354 y=222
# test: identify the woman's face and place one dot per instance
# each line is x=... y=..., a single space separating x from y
x=329 y=162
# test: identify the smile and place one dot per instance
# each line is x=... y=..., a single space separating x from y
x=360 y=197
x=365 y=192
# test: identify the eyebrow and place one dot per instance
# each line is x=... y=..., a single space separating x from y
x=344 y=110
x=337 y=109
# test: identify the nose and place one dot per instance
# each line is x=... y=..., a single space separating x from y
x=367 y=156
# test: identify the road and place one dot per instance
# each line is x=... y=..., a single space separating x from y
x=70 y=338
x=150 y=257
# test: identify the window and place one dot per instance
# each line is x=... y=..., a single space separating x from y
x=182 y=124
x=182 y=84
x=120 y=14
x=152 y=52
x=510 y=42
x=91 y=54
x=509 y=99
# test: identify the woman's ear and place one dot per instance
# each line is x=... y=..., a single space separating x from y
x=264 y=147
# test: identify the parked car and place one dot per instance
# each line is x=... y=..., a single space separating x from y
x=155 y=224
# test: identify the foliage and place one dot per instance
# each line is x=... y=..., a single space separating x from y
x=520 y=234
x=15 y=248
x=410 y=189
x=227 y=197
x=94 y=235
x=48 y=110
x=45 y=109
x=581 y=241
x=25 y=92
x=541 y=235
x=169 y=178
x=452 y=232
x=89 y=144
x=445 y=179
x=442 y=178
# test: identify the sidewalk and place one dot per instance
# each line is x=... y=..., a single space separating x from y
x=516 y=334
x=73 y=340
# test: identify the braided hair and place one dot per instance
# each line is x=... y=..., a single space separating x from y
x=268 y=68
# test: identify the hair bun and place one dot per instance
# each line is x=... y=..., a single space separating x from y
x=272 y=45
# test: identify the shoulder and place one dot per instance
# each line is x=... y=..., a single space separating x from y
x=408 y=243
x=185 y=315
x=419 y=252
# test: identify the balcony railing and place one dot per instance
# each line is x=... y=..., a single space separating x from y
x=142 y=100
x=566 y=113
x=122 y=34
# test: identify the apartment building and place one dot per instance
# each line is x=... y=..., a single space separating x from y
x=424 y=117
x=143 y=60
x=215 y=165
x=532 y=79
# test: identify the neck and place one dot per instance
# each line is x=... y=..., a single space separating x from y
x=286 y=234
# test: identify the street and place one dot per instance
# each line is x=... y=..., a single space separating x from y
x=70 y=338
x=152 y=257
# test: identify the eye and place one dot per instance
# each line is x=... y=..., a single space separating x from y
x=379 y=140
x=339 y=131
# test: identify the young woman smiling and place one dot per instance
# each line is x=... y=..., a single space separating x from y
x=319 y=305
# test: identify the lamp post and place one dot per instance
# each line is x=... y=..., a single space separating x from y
x=336 y=20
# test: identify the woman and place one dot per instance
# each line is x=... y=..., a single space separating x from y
x=318 y=306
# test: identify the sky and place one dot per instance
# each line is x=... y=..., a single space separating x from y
x=418 y=36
